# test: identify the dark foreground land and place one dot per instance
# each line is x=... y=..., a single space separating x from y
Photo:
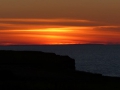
x=30 y=70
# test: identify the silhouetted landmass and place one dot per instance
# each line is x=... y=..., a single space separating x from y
x=31 y=70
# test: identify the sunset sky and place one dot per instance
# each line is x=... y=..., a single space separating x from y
x=36 y=22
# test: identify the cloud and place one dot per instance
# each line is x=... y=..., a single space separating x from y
x=44 y=20
x=108 y=28
x=11 y=24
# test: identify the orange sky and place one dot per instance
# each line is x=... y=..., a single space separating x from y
x=57 y=22
x=22 y=34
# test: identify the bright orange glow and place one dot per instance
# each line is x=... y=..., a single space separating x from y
x=24 y=34
x=71 y=35
x=42 y=36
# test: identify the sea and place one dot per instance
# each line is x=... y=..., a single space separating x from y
x=103 y=59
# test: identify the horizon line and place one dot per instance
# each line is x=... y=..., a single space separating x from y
x=57 y=44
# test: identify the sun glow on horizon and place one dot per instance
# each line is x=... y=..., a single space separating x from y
x=37 y=36
x=58 y=36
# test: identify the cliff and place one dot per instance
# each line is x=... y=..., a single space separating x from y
x=32 y=70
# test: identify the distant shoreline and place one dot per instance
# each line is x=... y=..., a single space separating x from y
x=64 y=45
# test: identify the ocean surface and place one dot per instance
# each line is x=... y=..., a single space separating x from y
x=104 y=59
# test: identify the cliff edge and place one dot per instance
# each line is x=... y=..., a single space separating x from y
x=33 y=70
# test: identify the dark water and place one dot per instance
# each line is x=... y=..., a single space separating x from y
x=104 y=59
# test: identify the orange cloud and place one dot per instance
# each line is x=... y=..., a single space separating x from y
x=10 y=24
x=44 y=20
x=20 y=33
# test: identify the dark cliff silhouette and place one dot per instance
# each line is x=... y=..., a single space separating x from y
x=32 y=70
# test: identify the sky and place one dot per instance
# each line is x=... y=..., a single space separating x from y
x=36 y=22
